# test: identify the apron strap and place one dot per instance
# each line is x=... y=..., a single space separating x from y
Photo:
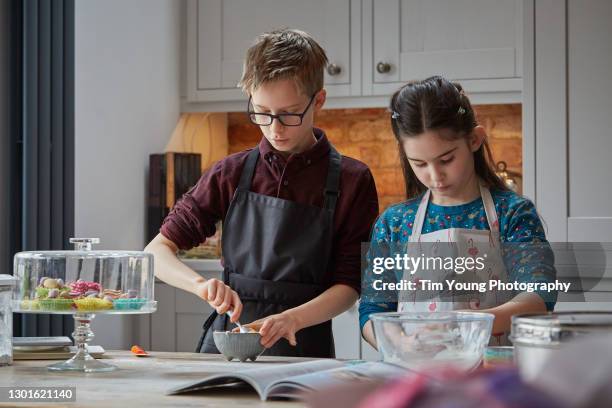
x=206 y=327
x=489 y=206
x=249 y=170
x=419 y=218
x=332 y=185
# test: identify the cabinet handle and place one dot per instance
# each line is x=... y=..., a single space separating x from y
x=333 y=69
x=383 y=67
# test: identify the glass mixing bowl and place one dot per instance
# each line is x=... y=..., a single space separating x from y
x=423 y=340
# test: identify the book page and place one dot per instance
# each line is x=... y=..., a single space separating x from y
x=260 y=378
x=353 y=371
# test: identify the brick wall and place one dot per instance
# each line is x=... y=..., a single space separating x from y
x=365 y=134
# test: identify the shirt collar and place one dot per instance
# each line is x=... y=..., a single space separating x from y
x=319 y=149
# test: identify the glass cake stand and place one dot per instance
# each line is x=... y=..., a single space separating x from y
x=83 y=283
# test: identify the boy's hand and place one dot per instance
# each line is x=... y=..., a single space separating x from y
x=220 y=296
x=273 y=327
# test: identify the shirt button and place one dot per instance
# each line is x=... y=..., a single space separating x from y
x=286 y=182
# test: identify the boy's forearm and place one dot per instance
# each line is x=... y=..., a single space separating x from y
x=521 y=303
x=170 y=269
x=327 y=305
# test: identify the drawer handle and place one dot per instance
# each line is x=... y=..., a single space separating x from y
x=333 y=69
x=383 y=67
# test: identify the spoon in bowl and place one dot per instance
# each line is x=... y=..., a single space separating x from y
x=241 y=327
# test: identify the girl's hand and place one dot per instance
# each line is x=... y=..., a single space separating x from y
x=424 y=339
x=273 y=327
x=220 y=296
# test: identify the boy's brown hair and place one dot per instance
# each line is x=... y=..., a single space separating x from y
x=281 y=54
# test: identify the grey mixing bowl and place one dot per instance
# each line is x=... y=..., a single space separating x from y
x=243 y=346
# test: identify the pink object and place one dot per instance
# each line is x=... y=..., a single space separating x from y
x=472 y=250
x=400 y=393
x=432 y=307
x=94 y=286
x=82 y=287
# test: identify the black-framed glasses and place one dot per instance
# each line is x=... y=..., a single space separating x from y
x=286 y=119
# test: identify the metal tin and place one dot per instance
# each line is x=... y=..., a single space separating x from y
x=537 y=336
x=6 y=319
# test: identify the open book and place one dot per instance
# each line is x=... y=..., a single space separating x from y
x=294 y=380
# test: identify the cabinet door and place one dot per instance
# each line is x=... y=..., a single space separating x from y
x=191 y=312
x=163 y=321
x=589 y=59
x=346 y=334
x=220 y=31
x=477 y=42
x=369 y=353
x=177 y=323
x=571 y=108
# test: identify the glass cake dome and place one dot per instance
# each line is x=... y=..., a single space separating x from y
x=83 y=283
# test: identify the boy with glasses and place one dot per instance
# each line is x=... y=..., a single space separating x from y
x=294 y=212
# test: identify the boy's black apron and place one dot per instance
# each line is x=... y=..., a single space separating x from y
x=276 y=257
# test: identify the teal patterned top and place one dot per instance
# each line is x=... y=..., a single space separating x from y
x=518 y=223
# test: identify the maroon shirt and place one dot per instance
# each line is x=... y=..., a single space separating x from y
x=300 y=178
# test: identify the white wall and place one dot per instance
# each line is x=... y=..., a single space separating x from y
x=127 y=105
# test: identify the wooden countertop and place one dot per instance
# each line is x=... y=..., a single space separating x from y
x=143 y=381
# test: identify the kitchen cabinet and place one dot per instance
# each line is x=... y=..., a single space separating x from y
x=346 y=334
x=220 y=31
x=568 y=110
x=476 y=42
x=375 y=46
x=571 y=133
x=566 y=128
x=369 y=353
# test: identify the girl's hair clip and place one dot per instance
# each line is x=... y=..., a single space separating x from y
x=395 y=115
x=461 y=110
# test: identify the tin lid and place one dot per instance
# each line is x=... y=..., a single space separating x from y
x=7 y=280
x=554 y=328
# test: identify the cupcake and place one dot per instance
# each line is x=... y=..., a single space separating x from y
x=55 y=304
x=129 y=304
x=52 y=295
x=27 y=304
x=92 y=304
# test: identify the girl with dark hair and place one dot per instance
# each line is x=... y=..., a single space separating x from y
x=454 y=196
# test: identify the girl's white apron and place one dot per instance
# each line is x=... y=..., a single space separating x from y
x=465 y=243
